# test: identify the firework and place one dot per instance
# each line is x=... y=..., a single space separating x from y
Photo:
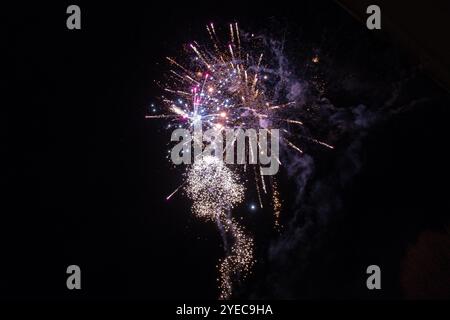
x=228 y=86
x=223 y=87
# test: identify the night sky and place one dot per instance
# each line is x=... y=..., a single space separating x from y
x=86 y=175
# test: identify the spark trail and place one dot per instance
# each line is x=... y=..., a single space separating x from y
x=215 y=190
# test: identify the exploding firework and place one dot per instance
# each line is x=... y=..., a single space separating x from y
x=228 y=86
x=224 y=87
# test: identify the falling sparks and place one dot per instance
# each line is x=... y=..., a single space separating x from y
x=215 y=190
x=238 y=262
x=276 y=202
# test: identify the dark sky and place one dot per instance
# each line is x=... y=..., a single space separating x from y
x=87 y=177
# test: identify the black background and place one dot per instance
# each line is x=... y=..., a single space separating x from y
x=86 y=175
